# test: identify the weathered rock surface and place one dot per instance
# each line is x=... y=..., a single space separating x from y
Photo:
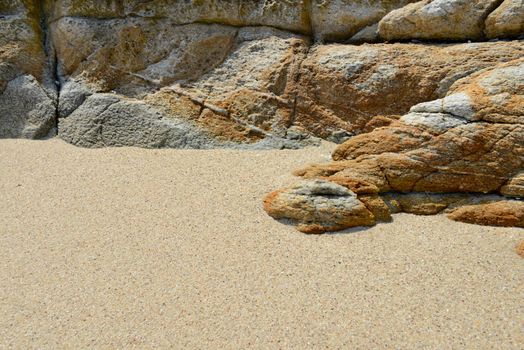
x=239 y=72
x=469 y=142
x=503 y=213
x=342 y=87
x=319 y=206
x=507 y=20
x=232 y=83
x=438 y=20
x=334 y=20
x=27 y=92
x=291 y=15
x=258 y=86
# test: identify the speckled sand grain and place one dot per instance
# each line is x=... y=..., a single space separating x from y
x=116 y=248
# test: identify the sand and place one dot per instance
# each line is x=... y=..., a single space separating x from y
x=122 y=248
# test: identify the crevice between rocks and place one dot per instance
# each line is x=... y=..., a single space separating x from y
x=52 y=61
x=490 y=10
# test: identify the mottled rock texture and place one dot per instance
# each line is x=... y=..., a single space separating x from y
x=503 y=213
x=27 y=90
x=438 y=20
x=334 y=20
x=318 y=206
x=423 y=125
x=467 y=146
x=231 y=73
x=507 y=20
x=231 y=83
x=342 y=87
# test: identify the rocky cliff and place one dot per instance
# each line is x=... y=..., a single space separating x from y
x=425 y=97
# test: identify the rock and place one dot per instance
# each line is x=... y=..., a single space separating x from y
x=26 y=110
x=421 y=203
x=367 y=35
x=503 y=213
x=514 y=187
x=445 y=153
x=248 y=68
x=105 y=120
x=520 y=249
x=27 y=90
x=341 y=19
x=342 y=87
x=438 y=20
x=318 y=206
x=506 y=21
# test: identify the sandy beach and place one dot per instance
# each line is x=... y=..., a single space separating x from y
x=122 y=248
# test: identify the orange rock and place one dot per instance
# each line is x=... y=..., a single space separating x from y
x=342 y=87
x=318 y=206
x=504 y=213
x=520 y=249
x=444 y=154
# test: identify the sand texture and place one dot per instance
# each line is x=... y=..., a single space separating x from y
x=133 y=248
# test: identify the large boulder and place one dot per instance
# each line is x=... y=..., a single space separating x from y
x=438 y=20
x=27 y=89
x=470 y=142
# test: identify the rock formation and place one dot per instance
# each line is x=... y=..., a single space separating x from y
x=506 y=21
x=464 y=149
x=231 y=73
x=426 y=118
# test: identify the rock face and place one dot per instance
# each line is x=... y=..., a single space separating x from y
x=27 y=91
x=253 y=86
x=231 y=83
x=290 y=15
x=471 y=142
x=231 y=73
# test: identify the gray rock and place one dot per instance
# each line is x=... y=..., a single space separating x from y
x=110 y=120
x=458 y=105
x=437 y=123
x=367 y=35
x=106 y=120
x=26 y=109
